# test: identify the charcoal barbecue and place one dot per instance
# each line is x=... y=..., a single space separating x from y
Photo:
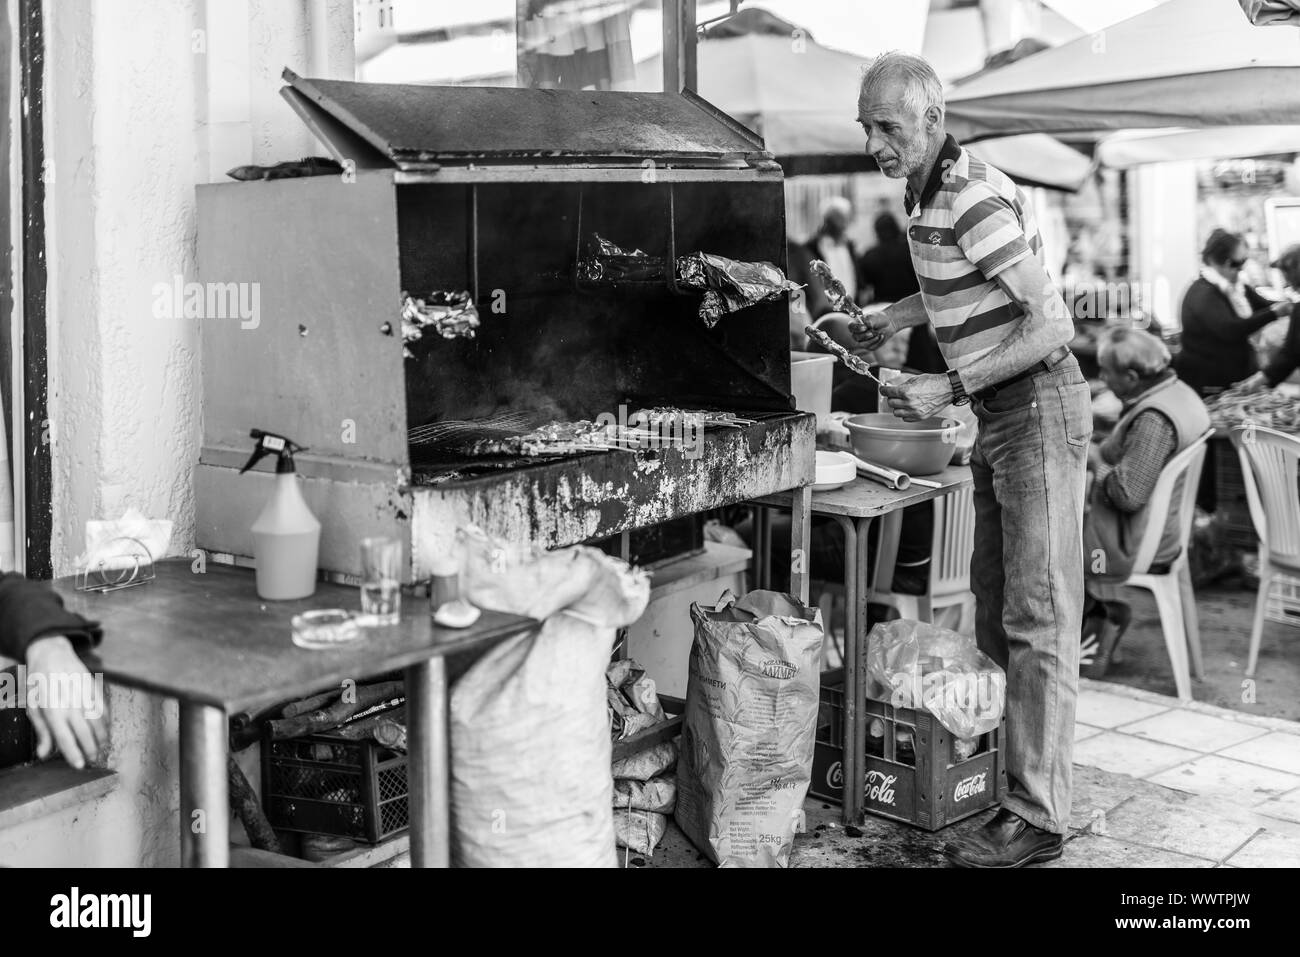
x=494 y=192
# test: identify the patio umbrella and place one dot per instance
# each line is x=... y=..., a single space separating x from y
x=1137 y=147
x=1186 y=63
x=800 y=97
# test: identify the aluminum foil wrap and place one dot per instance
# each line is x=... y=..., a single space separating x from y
x=728 y=285
x=451 y=315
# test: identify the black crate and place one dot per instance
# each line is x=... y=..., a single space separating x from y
x=335 y=784
x=1231 y=503
x=928 y=785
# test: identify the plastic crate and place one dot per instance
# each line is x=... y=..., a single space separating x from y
x=1230 y=496
x=335 y=783
x=1282 y=603
x=928 y=786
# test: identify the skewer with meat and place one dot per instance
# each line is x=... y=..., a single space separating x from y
x=842 y=302
x=855 y=363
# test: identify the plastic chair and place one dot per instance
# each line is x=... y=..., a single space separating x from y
x=1172 y=589
x=1268 y=468
x=950 y=555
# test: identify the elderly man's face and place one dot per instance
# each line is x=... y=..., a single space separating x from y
x=897 y=138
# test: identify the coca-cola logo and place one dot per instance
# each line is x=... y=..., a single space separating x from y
x=969 y=787
x=779 y=668
x=880 y=787
x=835 y=776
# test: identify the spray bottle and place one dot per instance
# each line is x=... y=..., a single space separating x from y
x=286 y=535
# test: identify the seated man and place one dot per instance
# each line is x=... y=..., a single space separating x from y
x=1161 y=417
x=37 y=630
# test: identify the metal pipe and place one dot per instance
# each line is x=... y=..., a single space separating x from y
x=429 y=767
x=472 y=217
x=205 y=802
x=851 y=796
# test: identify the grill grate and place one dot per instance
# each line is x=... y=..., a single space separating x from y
x=459 y=431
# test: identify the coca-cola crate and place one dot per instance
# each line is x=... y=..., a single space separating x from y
x=914 y=771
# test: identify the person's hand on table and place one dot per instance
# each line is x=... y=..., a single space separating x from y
x=918 y=397
x=76 y=726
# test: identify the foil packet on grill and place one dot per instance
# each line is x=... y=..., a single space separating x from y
x=728 y=285
x=451 y=315
x=609 y=262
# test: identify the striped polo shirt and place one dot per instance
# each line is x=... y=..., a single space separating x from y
x=970 y=223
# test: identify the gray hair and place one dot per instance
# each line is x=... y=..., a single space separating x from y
x=1134 y=349
x=922 y=89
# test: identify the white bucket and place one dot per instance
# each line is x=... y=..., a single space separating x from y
x=810 y=383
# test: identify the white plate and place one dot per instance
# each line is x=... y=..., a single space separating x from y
x=834 y=470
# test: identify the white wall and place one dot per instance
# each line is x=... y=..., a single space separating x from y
x=144 y=100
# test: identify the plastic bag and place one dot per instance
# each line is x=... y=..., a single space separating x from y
x=531 y=782
x=647 y=763
x=639 y=831
x=749 y=727
x=658 y=795
x=911 y=664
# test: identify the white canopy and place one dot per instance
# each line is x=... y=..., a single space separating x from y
x=1186 y=63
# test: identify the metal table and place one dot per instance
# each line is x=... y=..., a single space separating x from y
x=853 y=506
x=206 y=639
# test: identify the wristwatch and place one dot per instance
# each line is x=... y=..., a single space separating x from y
x=959 y=396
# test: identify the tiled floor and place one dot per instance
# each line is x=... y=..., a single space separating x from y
x=1158 y=783
x=1238 y=758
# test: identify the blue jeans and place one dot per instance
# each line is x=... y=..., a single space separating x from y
x=1029 y=465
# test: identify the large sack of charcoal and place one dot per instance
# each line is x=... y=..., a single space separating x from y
x=530 y=745
x=746 y=750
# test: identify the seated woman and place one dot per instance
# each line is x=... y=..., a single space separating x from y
x=1162 y=416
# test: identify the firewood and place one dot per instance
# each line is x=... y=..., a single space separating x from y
x=323 y=719
x=244 y=802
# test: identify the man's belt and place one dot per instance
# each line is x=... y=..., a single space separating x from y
x=1045 y=365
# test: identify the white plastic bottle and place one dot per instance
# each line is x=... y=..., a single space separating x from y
x=286 y=535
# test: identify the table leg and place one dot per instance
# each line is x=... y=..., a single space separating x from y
x=860 y=665
x=800 y=542
x=205 y=802
x=429 y=767
x=851 y=801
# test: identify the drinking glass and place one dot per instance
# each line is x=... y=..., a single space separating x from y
x=381 y=592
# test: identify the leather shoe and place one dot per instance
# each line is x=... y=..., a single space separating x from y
x=1008 y=840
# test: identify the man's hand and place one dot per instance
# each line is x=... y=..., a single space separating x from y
x=1095 y=461
x=919 y=397
x=1256 y=383
x=1283 y=309
x=874 y=331
x=67 y=707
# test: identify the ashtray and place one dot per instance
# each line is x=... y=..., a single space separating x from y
x=325 y=628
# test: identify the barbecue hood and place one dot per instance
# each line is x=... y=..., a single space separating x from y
x=424 y=128
x=492 y=191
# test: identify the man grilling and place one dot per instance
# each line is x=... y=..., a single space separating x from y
x=1002 y=327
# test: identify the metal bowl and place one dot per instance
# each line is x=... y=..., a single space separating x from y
x=917 y=448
